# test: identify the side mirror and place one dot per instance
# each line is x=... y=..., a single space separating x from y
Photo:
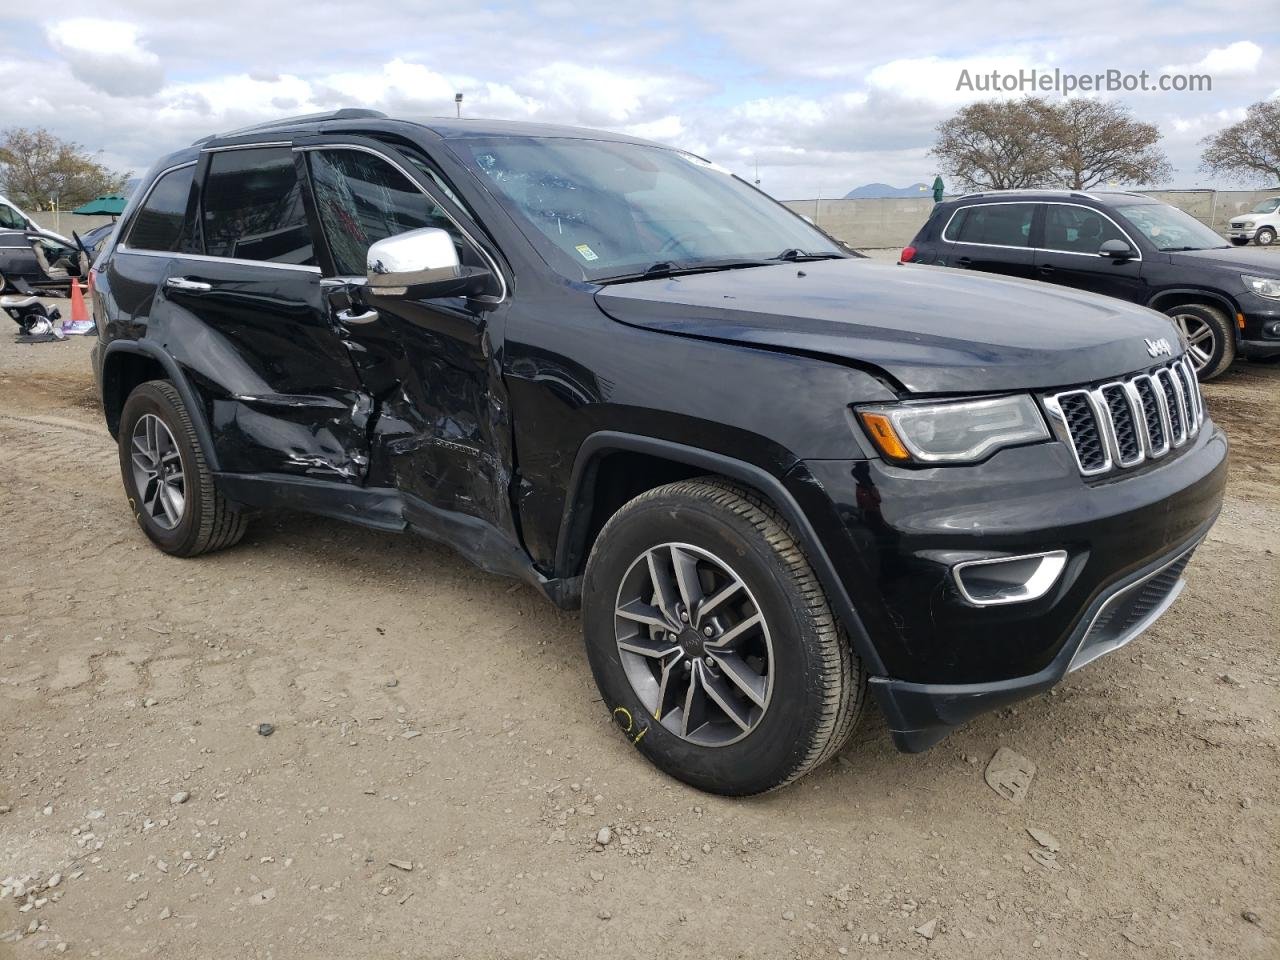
x=1116 y=250
x=420 y=265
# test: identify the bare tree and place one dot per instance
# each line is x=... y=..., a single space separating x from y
x=1098 y=141
x=1248 y=150
x=36 y=166
x=996 y=145
x=1076 y=144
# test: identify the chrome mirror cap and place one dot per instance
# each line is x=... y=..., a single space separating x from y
x=412 y=259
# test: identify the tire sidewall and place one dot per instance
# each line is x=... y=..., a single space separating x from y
x=1265 y=237
x=1223 y=337
x=769 y=754
x=149 y=398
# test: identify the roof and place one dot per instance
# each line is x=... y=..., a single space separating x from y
x=351 y=120
x=1110 y=198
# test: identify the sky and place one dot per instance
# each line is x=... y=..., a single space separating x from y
x=820 y=96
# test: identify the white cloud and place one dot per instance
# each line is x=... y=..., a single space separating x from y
x=108 y=55
x=936 y=79
x=1236 y=59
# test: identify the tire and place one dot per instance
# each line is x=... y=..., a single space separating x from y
x=1265 y=237
x=810 y=699
x=204 y=520
x=1209 y=335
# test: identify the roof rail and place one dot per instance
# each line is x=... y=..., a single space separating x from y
x=346 y=113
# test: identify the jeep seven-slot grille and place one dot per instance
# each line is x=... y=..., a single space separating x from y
x=1123 y=423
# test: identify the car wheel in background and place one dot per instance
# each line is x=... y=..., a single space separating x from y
x=167 y=479
x=712 y=642
x=1209 y=336
x=1265 y=237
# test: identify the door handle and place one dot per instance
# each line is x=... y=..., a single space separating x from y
x=368 y=316
x=1047 y=269
x=963 y=262
x=190 y=286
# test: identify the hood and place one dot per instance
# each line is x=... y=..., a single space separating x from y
x=1251 y=259
x=933 y=329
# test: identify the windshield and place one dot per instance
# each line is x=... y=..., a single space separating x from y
x=598 y=210
x=1267 y=206
x=1169 y=228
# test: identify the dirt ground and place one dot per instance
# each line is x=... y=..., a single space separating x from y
x=440 y=765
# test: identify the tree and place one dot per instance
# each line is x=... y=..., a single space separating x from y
x=37 y=167
x=1248 y=150
x=1097 y=141
x=1076 y=144
x=996 y=145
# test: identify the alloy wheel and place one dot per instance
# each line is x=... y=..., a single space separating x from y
x=1200 y=338
x=157 y=472
x=694 y=644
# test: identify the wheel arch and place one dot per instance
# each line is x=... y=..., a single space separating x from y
x=1180 y=295
x=128 y=363
x=594 y=495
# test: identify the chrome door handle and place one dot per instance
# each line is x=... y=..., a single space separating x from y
x=191 y=286
x=346 y=316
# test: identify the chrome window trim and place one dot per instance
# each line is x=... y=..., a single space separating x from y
x=484 y=254
x=266 y=145
x=205 y=258
x=133 y=216
x=1055 y=203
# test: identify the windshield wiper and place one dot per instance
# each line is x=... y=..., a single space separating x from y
x=670 y=268
x=793 y=255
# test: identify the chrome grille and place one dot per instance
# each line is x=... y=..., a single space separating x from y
x=1124 y=423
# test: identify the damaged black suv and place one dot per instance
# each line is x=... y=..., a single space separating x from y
x=774 y=474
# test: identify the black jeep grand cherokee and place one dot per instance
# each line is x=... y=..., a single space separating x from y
x=774 y=474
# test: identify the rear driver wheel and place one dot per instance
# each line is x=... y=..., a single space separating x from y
x=170 y=487
x=712 y=642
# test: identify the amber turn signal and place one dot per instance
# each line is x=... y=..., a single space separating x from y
x=884 y=437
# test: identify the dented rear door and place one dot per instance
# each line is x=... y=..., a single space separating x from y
x=251 y=322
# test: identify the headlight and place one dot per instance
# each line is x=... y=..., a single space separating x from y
x=1263 y=286
x=953 y=431
x=1246 y=223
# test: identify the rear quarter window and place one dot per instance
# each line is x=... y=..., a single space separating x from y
x=161 y=222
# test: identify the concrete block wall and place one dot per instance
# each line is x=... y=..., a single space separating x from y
x=64 y=223
x=871 y=224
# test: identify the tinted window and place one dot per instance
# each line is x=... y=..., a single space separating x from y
x=362 y=199
x=253 y=207
x=1077 y=229
x=1002 y=224
x=10 y=219
x=161 y=222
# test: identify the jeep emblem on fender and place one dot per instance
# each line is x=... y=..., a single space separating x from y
x=1159 y=348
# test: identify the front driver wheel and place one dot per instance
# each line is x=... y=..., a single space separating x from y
x=1209 y=336
x=712 y=642
x=167 y=479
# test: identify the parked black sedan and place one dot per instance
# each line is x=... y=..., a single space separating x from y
x=1224 y=301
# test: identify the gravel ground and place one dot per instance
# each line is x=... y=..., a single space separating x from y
x=440 y=768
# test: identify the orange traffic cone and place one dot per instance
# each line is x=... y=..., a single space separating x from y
x=79 y=322
x=79 y=313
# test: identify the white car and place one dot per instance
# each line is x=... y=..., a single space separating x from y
x=1261 y=224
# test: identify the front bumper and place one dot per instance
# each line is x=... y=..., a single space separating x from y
x=893 y=536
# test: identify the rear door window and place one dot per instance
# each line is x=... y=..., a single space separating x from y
x=361 y=199
x=10 y=219
x=161 y=222
x=252 y=208
x=1073 y=229
x=993 y=224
